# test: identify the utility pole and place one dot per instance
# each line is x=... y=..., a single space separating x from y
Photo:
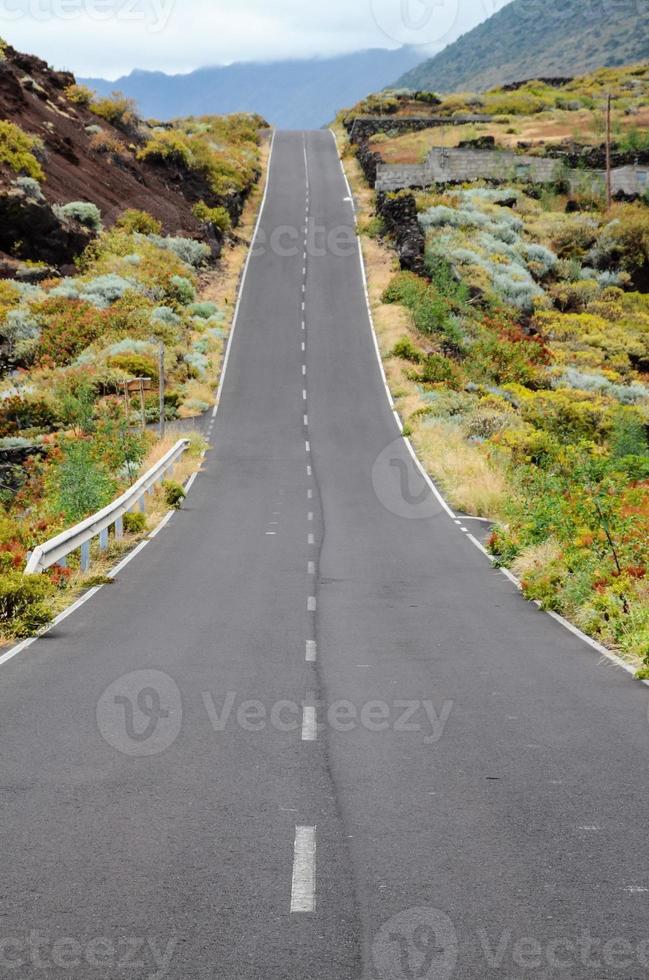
x=609 y=176
x=161 y=374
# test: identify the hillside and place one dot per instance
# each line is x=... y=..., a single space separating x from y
x=529 y=40
x=290 y=94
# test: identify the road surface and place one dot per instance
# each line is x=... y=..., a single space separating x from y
x=310 y=733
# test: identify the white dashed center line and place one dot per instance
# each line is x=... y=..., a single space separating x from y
x=304 y=858
x=309 y=725
x=311 y=651
x=311 y=603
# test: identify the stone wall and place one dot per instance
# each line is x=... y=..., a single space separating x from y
x=369 y=162
x=364 y=127
x=400 y=219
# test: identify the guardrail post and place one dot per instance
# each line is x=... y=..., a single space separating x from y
x=141 y=505
x=103 y=539
x=85 y=556
x=119 y=528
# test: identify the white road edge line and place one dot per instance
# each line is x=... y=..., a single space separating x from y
x=303 y=885
x=604 y=651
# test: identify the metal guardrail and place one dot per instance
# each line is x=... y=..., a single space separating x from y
x=56 y=550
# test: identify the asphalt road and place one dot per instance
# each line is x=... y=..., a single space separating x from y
x=310 y=733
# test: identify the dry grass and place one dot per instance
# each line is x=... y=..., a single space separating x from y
x=470 y=480
x=544 y=128
x=536 y=558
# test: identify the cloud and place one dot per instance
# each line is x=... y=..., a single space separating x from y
x=111 y=37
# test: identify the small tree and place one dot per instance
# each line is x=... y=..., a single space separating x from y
x=79 y=484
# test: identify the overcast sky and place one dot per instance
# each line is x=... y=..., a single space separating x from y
x=110 y=37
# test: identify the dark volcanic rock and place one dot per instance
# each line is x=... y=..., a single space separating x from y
x=369 y=161
x=30 y=229
x=399 y=215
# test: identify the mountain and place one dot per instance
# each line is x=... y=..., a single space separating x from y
x=527 y=39
x=299 y=94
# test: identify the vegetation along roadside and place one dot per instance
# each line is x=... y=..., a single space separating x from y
x=73 y=432
x=514 y=327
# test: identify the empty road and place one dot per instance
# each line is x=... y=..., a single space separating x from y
x=310 y=733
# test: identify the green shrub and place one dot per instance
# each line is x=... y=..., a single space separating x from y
x=204 y=309
x=174 y=493
x=188 y=249
x=135 y=365
x=133 y=220
x=86 y=213
x=18 y=413
x=68 y=328
x=17 y=151
x=437 y=369
x=405 y=288
x=79 y=485
x=375 y=227
x=406 y=349
x=79 y=94
x=31 y=188
x=569 y=416
x=218 y=217
x=181 y=290
x=118 y=110
x=24 y=606
x=134 y=522
x=444 y=278
x=628 y=435
x=626 y=239
x=168 y=146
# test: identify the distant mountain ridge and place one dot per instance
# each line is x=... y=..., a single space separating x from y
x=299 y=94
x=529 y=39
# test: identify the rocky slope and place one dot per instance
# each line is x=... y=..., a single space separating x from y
x=84 y=152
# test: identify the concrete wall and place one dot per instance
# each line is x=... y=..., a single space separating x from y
x=456 y=166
